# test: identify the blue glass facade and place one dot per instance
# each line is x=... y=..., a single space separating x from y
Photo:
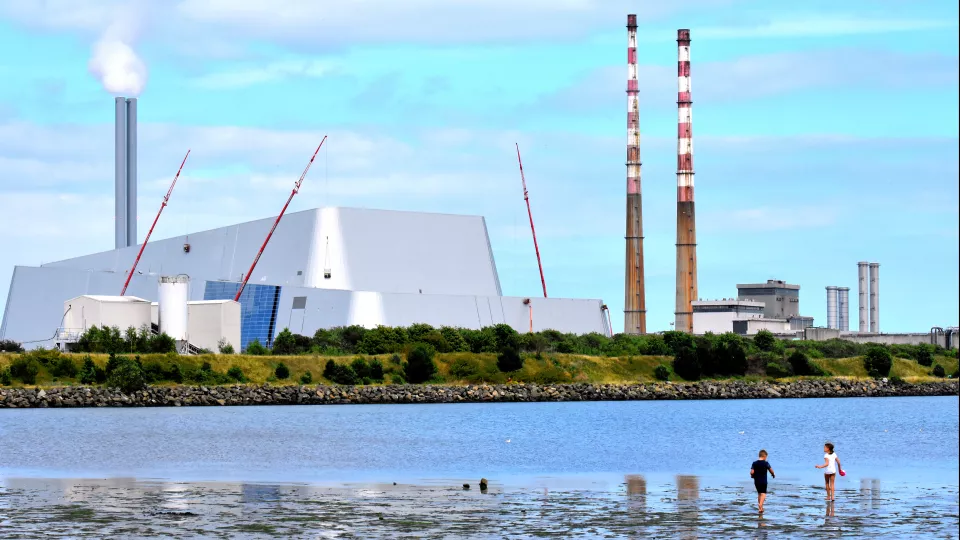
x=258 y=308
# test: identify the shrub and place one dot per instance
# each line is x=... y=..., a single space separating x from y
x=224 y=347
x=306 y=378
x=777 y=370
x=161 y=343
x=236 y=374
x=730 y=355
x=5 y=378
x=956 y=374
x=396 y=359
x=661 y=373
x=897 y=381
x=765 y=340
x=153 y=372
x=938 y=371
x=126 y=375
x=375 y=371
x=284 y=343
x=282 y=371
x=175 y=373
x=676 y=341
x=454 y=339
x=360 y=367
x=64 y=368
x=25 y=368
x=419 y=367
x=878 y=362
x=685 y=364
x=9 y=345
x=90 y=373
x=464 y=368
x=802 y=365
x=509 y=359
x=339 y=374
x=254 y=348
x=924 y=356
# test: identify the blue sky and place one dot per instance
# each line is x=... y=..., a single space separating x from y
x=825 y=133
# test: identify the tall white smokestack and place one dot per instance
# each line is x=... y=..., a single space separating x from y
x=862 y=290
x=832 y=307
x=843 y=304
x=125 y=172
x=875 y=297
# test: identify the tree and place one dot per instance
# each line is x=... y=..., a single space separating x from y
x=509 y=359
x=284 y=344
x=419 y=367
x=677 y=340
x=924 y=355
x=801 y=364
x=765 y=340
x=730 y=355
x=254 y=348
x=685 y=364
x=878 y=362
x=126 y=375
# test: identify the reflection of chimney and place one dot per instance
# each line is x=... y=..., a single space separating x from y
x=862 y=279
x=125 y=172
x=875 y=297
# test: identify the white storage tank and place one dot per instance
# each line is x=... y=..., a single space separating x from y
x=172 y=308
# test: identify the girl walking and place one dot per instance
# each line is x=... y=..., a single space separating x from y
x=831 y=464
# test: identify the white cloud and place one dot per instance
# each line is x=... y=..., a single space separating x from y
x=821 y=26
x=267 y=73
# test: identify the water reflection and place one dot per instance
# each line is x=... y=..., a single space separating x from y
x=688 y=498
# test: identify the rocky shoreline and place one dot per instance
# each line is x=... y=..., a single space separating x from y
x=177 y=396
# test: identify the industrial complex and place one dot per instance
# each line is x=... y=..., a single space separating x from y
x=329 y=267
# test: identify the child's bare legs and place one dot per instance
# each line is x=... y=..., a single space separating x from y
x=833 y=487
x=828 y=480
x=826 y=485
x=760 y=498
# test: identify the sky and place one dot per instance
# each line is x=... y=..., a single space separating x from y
x=825 y=133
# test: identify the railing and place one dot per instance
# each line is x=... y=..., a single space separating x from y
x=68 y=335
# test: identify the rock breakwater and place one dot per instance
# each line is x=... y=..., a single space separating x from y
x=177 y=396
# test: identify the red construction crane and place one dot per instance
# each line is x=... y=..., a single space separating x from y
x=163 y=205
x=526 y=198
x=296 y=189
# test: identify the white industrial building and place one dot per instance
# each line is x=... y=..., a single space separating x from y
x=718 y=316
x=323 y=268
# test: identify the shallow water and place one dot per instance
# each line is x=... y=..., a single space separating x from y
x=613 y=469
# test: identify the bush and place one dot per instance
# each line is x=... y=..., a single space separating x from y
x=464 y=368
x=224 y=347
x=777 y=370
x=126 y=375
x=90 y=373
x=5 y=378
x=64 y=368
x=938 y=371
x=360 y=367
x=419 y=367
x=375 y=371
x=897 y=381
x=175 y=373
x=282 y=371
x=306 y=378
x=661 y=373
x=254 y=348
x=765 y=340
x=454 y=339
x=339 y=374
x=509 y=359
x=685 y=364
x=396 y=359
x=802 y=365
x=9 y=345
x=677 y=341
x=25 y=368
x=878 y=362
x=924 y=356
x=160 y=344
x=730 y=355
x=284 y=343
x=236 y=374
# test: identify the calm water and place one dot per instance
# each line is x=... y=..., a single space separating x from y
x=554 y=469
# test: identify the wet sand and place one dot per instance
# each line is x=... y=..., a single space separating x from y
x=632 y=507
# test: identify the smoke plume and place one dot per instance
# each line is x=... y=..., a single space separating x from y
x=115 y=63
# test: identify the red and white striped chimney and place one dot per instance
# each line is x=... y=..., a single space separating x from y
x=634 y=306
x=686 y=217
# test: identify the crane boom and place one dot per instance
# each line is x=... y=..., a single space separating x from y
x=163 y=205
x=296 y=189
x=526 y=198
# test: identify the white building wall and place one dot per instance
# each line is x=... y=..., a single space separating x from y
x=717 y=322
x=212 y=320
x=752 y=326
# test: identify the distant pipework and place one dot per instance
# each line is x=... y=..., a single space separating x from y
x=875 y=298
x=686 y=219
x=862 y=290
x=634 y=305
x=843 y=304
x=125 y=172
x=832 y=310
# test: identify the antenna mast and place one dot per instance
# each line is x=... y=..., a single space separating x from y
x=526 y=197
x=296 y=189
x=163 y=205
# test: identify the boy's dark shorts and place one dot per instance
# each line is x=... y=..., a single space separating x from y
x=761 y=488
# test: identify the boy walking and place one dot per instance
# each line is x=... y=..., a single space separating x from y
x=758 y=471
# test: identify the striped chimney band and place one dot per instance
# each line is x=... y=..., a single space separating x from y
x=633 y=110
x=684 y=120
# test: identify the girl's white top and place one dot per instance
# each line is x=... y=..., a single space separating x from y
x=831 y=463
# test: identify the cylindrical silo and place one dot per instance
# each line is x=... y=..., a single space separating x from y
x=843 y=304
x=832 y=306
x=172 y=308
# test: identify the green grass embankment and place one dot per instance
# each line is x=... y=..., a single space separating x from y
x=465 y=368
